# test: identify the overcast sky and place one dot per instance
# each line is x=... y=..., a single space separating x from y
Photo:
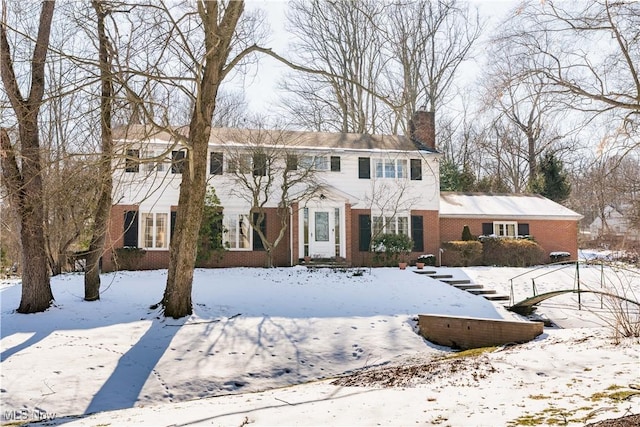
x=260 y=84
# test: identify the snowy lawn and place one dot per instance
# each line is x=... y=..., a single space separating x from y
x=293 y=346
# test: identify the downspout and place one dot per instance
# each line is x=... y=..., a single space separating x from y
x=290 y=236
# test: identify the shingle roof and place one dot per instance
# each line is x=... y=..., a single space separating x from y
x=502 y=206
x=298 y=139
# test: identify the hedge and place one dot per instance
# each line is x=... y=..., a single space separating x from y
x=511 y=252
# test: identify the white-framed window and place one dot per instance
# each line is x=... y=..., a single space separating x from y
x=389 y=225
x=151 y=165
x=237 y=231
x=242 y=163
x=390 y=168
x=320 y=163
x=155 y=227
x=505 y=229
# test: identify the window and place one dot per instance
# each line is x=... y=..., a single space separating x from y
x=240 y=164
x=320 y=163
x=132 y=161
x=390 y=168
x=364 y=168
x=177 y=161
x=152 y=165
x=416 y=170
x=505 y=229
x=215 y=164
x=154 y=232
x=237 y=231
x=390 y=225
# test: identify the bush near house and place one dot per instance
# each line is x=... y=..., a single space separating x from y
x=390 y=249
x=128 y=258
x=507 y=252
x=459 y=253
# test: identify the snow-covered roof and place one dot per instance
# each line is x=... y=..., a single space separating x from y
x=502 y=206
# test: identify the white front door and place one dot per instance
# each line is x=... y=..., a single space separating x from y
x=322 y=236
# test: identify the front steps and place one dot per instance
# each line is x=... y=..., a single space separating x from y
x=465 y=285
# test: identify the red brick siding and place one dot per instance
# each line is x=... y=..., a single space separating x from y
x=156 y=259
x=430 y=230
x=551 y=235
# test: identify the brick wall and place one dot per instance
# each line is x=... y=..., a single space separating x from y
x=156 y=259
x=430 y=228
x=467 y=332
x=551 y=235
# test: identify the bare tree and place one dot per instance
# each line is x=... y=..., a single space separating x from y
x=103 y=207
x=588 y=52
x=24 y=180
x=427 y=42
x=218 y=22
x=524 y=101
x=269 y=171
x=342 y=38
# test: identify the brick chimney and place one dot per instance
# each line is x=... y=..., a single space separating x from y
x=423 y=129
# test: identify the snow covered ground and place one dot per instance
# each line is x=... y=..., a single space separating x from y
x=293 y=346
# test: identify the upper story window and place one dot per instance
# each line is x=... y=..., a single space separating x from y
x=390 y=168
x=132 y=161
x=150 y=163
x=248 y=163
x=320 y=163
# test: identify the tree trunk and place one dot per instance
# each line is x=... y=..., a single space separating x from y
x=96 y=247
x=24 y=182
x=218 y=35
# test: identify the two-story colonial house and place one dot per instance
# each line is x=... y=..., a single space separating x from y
x=349 y=188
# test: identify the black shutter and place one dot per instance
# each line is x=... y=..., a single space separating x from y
x=417 y=234
x=523 y=229
x=365 y=232
x=487 y=228
x=416 y=170
x=215 y=164
x=172 y=224
x=292 y=162
x=259 y=164
x=257 y=241
x=132 y=161
x=177 y=161
x=335 y=164
x=364 y=168
x=131 y=229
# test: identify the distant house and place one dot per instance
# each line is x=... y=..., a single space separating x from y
x=613 y=224
x=367 y=185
